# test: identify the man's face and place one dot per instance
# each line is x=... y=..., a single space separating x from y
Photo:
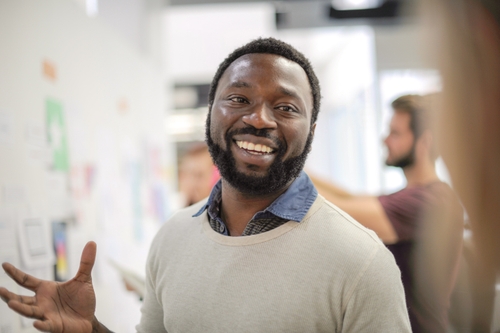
x=195 y=176
x=259 y=128
x=400 y=141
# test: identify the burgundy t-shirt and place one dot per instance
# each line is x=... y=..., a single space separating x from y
x=429 y=223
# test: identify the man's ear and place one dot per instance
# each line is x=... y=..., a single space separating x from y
x=426 y=140
x=313 y=129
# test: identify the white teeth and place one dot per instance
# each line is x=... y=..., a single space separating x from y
x=254 y=147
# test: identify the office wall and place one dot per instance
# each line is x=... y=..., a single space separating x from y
x=83 y=154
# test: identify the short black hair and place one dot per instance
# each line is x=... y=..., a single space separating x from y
x=271 y=46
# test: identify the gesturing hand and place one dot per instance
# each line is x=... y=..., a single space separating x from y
x=57 y=307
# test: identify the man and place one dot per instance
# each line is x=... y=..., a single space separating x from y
x=300 y=265
x=411 y=220
x=197 y=174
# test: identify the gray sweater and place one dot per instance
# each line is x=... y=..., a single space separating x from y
x=325 y=274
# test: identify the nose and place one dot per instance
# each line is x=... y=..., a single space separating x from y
x=260 y=117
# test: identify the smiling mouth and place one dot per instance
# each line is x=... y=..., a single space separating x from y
x=256 y=149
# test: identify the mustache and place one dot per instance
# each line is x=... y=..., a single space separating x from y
x=263 y=133
x=252 y=130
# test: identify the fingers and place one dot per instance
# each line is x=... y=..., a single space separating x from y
x=25 y=280
x=10 y=296
x=4 y=294
x=87 y=262
x=30 y=311
x=43 y=326
x=24 y=305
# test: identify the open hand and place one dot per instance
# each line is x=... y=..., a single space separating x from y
x=57 y=307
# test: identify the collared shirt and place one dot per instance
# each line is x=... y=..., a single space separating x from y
x=292 y=205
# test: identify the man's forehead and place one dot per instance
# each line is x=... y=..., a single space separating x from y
x=400 y=118
x=257 y=60
x=253 y=63
x=400 y=114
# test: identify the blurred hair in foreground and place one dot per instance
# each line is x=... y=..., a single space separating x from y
x=464 y=36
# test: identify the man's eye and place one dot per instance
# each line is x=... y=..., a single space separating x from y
x=286 y=108
x=238 y=100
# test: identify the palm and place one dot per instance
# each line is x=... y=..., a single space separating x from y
x=72 y=309
x=58 y=307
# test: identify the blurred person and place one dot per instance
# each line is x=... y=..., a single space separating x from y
x=465 y=36
x=197 y=174
x=265 y=252
x=417 y=215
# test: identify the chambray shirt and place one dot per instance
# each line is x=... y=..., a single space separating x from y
x=292 y=205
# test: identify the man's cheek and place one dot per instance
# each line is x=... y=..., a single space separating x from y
x=214 y=133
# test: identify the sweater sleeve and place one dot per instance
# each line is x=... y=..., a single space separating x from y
x=377 y=302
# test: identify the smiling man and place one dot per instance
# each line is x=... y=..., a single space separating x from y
x=259 y=132
x=264 y=253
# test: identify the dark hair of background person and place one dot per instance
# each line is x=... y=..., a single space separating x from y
x=418 y=107
x=271 y=46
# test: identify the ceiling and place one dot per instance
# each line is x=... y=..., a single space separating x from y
x=293 y=14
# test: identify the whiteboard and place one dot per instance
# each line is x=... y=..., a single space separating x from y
x=82 y=142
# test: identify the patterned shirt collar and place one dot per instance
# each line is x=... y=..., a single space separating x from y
x=292 y=205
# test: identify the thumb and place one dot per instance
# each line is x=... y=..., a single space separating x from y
x=87 y=262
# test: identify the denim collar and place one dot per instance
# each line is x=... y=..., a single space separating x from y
x=292 y=205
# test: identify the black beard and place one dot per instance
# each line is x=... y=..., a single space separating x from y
x=279 y=176
x=405 y=161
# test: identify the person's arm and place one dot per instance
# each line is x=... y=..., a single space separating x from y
x=367 y=210
x=326 y=188
x=58 y=307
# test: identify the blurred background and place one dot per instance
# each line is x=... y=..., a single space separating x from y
x=102 y=102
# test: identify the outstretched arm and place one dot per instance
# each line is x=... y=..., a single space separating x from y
x=367 y=210
x=58 y=307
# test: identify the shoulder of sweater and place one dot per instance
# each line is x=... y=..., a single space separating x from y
x=340 y=236
x=343 y=219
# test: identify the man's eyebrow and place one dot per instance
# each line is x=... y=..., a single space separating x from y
x=289 y=92
x=240 y=84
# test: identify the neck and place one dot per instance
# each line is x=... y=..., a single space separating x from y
x=238 y=208
x=420 y=173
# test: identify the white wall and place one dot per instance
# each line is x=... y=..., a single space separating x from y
x=198 y=38
x=113 y=102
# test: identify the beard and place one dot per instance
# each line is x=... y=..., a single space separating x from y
x=279 y=175
x=404 y=161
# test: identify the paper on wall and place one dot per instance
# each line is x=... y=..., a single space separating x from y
x=6 y=128
x=56 y=133
x=36 y=143
x=34 y=243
